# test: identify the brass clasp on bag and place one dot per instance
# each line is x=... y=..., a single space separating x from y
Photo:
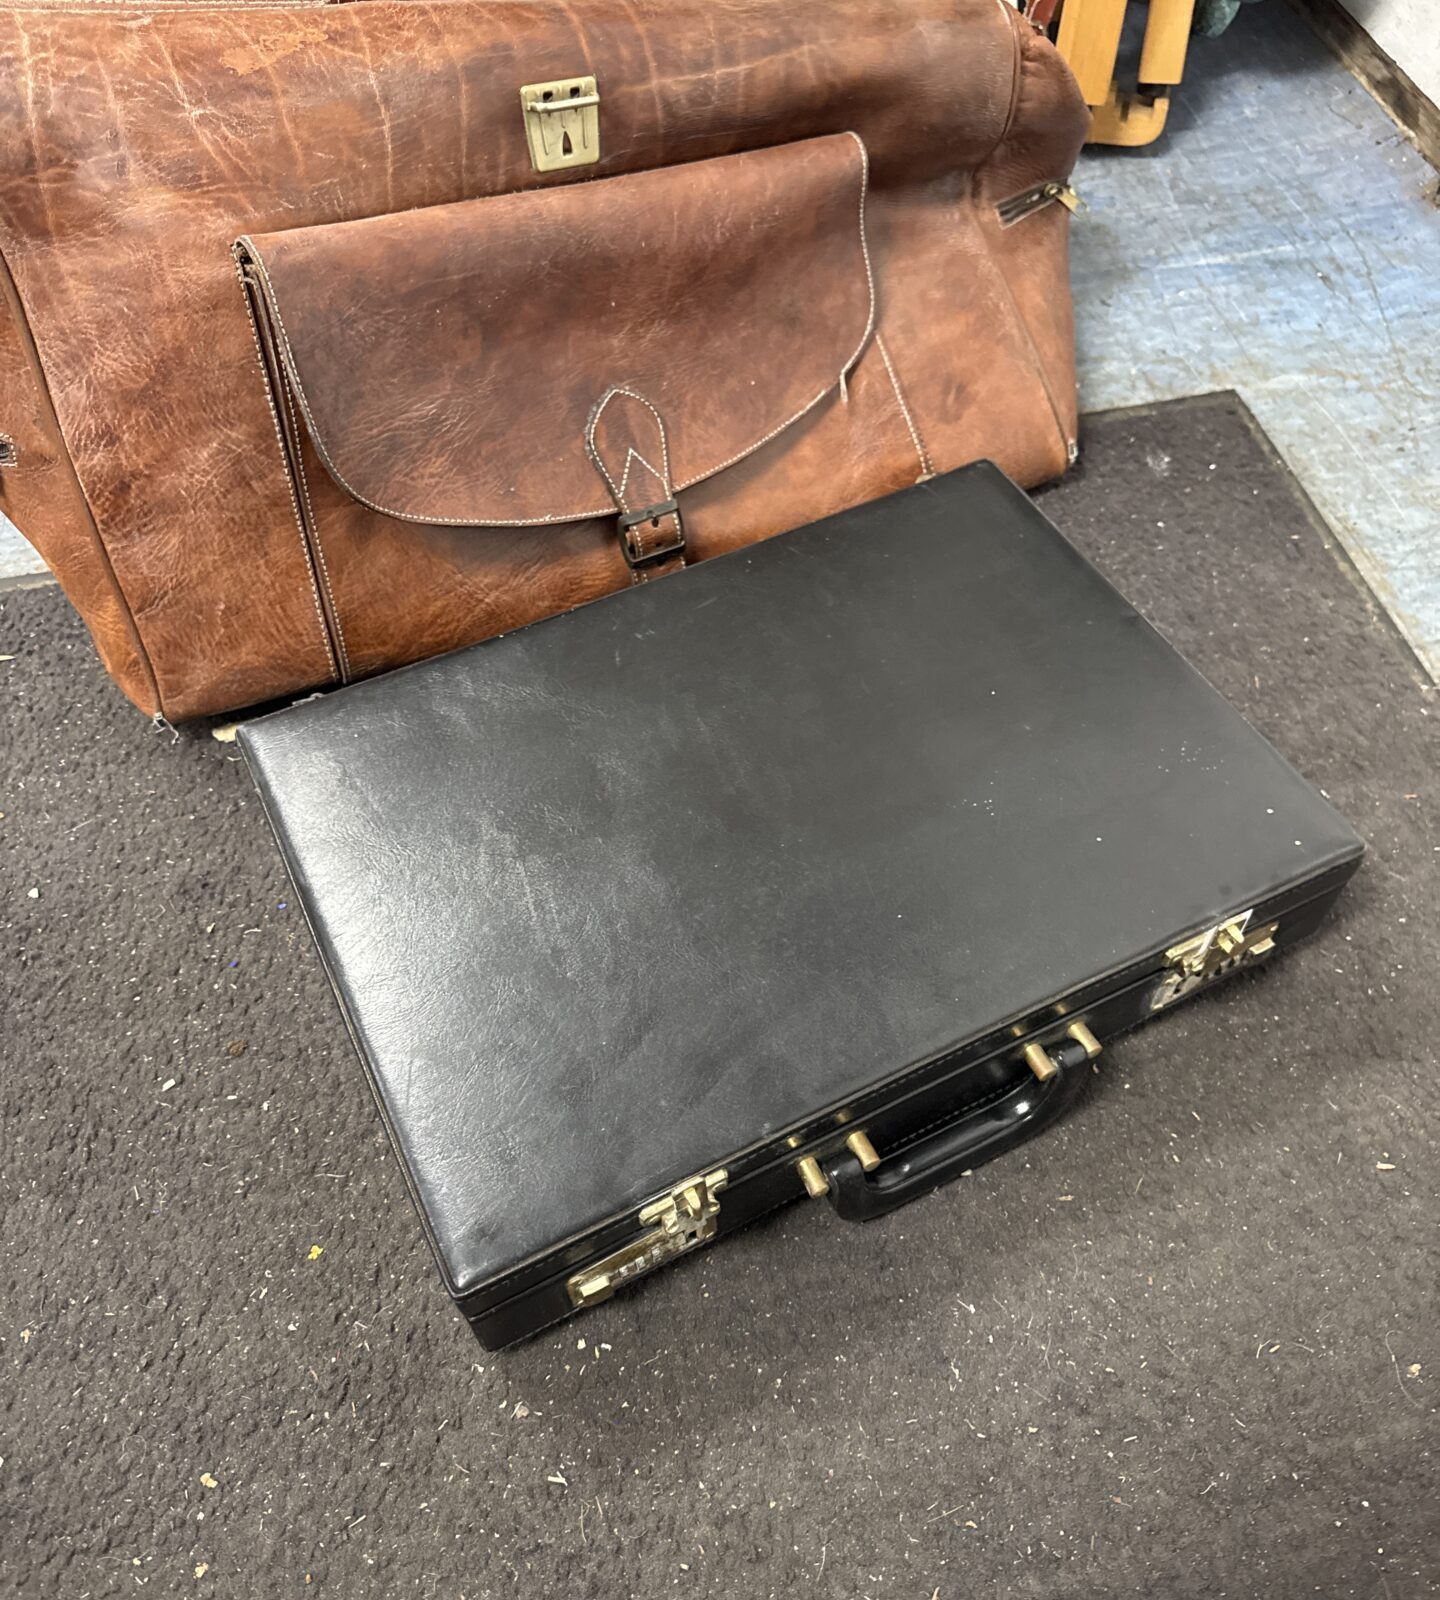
x=678 y=1221
x=1219 y=950
x=562 y=123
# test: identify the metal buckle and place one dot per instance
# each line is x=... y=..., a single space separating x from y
x=652 y=514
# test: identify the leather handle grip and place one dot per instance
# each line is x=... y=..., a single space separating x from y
x=860 y=1196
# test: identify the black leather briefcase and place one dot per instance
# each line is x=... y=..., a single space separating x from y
x=826 y=867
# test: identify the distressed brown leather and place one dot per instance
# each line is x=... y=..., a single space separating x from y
x=444 y=380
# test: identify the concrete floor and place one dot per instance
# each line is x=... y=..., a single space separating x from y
x=1281 y=239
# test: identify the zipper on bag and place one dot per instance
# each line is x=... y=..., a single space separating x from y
x=1028 y=201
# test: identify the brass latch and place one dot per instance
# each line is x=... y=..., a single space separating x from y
x=678 y=1222
x=562 y=123
x=1221 y=949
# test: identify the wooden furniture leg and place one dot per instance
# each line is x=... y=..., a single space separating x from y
x=1089 y=40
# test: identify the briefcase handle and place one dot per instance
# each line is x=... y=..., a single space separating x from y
x=860 y=1196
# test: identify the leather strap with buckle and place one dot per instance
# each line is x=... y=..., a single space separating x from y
x=652 y=534
x=626 y=439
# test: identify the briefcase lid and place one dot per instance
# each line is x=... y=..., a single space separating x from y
x=613 y=898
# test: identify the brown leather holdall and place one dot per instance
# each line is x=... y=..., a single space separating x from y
x=534 y=300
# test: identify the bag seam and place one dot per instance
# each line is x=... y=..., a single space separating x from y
x=926 y=465
x=285 y=470
x=1022 y=326
x=304 y=481
x=1016 y=315
x=1017 y=69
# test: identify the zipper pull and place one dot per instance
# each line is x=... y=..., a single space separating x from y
x=1019 y=206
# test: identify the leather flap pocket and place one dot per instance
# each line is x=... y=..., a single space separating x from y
x=448 y=363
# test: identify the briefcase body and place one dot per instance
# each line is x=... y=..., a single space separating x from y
x=826 y=867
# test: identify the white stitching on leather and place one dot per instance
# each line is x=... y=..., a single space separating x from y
x=593 y=449
x=288 y=356
x=289 y=481
x=859 y=349
x=345 y=673
x=632 y=455
x=920 y=450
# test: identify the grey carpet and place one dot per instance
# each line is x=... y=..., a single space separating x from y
x=1186 y=1345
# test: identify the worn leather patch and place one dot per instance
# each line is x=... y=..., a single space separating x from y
x=710 y=260
x=446 y=362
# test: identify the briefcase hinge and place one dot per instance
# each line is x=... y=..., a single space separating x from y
x=1221 y=949
x=677 y=1222
x=562 y=123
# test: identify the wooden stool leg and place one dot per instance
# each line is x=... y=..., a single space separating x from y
x=1089 y=40
x=1135 y=119
x=1167 y=38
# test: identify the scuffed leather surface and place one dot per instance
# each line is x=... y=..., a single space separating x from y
x=138 y=146
x=612 y=899
x=39 y=492
x=448 y=362
x=100 y=7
